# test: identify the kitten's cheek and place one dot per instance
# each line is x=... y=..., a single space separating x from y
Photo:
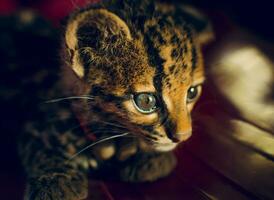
x=191 y=106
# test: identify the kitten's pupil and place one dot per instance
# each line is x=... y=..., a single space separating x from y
x=145 y=103
x=192 y=94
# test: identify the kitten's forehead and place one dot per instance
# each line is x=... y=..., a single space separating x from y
x=136 y=64
x=173 y=51
x=125 y=67
x=174 y=43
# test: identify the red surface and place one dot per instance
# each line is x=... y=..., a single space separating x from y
x=56 y=10
x=51 y=9
x=7 y=6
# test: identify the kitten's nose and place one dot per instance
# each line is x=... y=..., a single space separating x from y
x=181 y=136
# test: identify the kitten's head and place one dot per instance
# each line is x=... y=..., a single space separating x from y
x=142 y=63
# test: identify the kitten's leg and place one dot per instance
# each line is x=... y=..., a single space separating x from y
x=50 y=175
x=144 y=167
x=58 y=184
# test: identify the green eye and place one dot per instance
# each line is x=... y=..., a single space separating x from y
x=193 y=93
x=145 y=102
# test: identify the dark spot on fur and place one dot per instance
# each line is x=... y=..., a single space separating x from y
x=161 y=40
x=175 y=40
x=155 y=35
x=174 y=53
x=97 y=109
x=85 y=58
x=154 y=133
x=194 y=58
x=171 y=69
x=71 y=55
x=147 y=128
x=181 y=53
x=176 y=71
x=88 y=36
x=185 y=49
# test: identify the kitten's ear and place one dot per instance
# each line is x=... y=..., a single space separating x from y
x=199 y=22
x=89 y=29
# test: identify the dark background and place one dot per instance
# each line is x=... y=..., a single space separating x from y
x=255 y=15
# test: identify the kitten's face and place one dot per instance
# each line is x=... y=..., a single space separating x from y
x=162 y=104
x=148 y=81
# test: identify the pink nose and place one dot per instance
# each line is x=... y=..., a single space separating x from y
x=181 y=136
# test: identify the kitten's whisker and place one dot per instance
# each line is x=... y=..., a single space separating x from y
x=105 y=131
x=69 y=98
x=93 y=144
x=131 y=136
x=112 y=124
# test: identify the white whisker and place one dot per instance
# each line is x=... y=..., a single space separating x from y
x=69 y=98
x=100 y=141
x=112 y=124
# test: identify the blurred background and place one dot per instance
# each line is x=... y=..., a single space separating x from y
x=231 y=153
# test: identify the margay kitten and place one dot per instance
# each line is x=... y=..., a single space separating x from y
x=130 y=69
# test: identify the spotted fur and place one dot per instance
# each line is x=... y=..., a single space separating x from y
x=111 y=52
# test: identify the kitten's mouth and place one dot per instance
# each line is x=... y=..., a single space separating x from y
x=164 y=147
x=160 y=147
x=151 y=144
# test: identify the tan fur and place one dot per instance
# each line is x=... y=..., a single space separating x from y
x=77 y=66
x=104 y=151
x=165 y=53
x=139 y=87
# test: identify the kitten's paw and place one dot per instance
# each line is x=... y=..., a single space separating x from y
x=58 y=186
x=148 y=167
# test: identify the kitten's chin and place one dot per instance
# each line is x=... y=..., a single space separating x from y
x=158 y=147
x=164 y=147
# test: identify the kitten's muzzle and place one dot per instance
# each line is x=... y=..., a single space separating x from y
x=181 y=136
